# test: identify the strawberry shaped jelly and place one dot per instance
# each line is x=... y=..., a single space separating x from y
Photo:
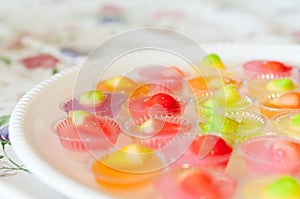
x=162 y=126
x=169 y=104
x=195 y=183
x=85 y=122
x=206 y=151
x=275 y=66
x=261 y=68
x=157 y=131
x=82 y=131
x=210 y=146
x=198 y=184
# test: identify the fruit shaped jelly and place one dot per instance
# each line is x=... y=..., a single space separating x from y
x=272 y=187
x=224 y=126
x=97 y=102
x=233 y=124
x=82 y=132
x=131 y=166
x=266 y=69
x=226 y=98
x=288 y=123
x=195 y=183
x=149 y=89
x=271 y=104
x=212 y=61
x=118 y=84
x=212 y=83
x=156 y=131
x=271 y=154
x=288 y=100
x=285 y=187
x=206 y=151
x=159 y=104
x=294 y=123
x=260 y=86
x=169 y=76
x=284 y=84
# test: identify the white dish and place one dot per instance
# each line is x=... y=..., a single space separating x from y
x=39 y=149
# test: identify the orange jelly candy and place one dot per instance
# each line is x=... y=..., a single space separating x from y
x=198 y=83
x=117 y=84
x=283 y=103
x=289 y=100
x=214 y=83
x=116 y=179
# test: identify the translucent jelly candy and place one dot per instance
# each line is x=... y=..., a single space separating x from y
x=275 y=66
x=294 y=124
x=290 y=100
x=85 y=122
x=225 y=98
x=149 y=89
x=159 y=104
x=128 y=158
x=272 y=104
x=288 y=124
x=92 y=98
x=170 y=77
x=117 y=84
x=220 y=124
x=193 y=183
x=131 y=166
x=286 y=187
x=169 y=103
x=264 y=68
x=212 y=61
x=272 y=187
x=210 y=145
x=156 y=131
x=81 y=133
x=211 y=83
x=206 y=151
x=271 y=154
x=260 y=86
x=233 y=124
x=96 y=102
x=284 y=84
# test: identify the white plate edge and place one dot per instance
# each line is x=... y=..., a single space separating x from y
x=26 y=153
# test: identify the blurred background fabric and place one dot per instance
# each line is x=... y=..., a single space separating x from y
x=65 y=30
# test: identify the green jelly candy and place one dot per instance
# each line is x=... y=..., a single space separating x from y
x=285 y=187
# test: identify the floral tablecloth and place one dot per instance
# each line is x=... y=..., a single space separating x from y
x=41 y=38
